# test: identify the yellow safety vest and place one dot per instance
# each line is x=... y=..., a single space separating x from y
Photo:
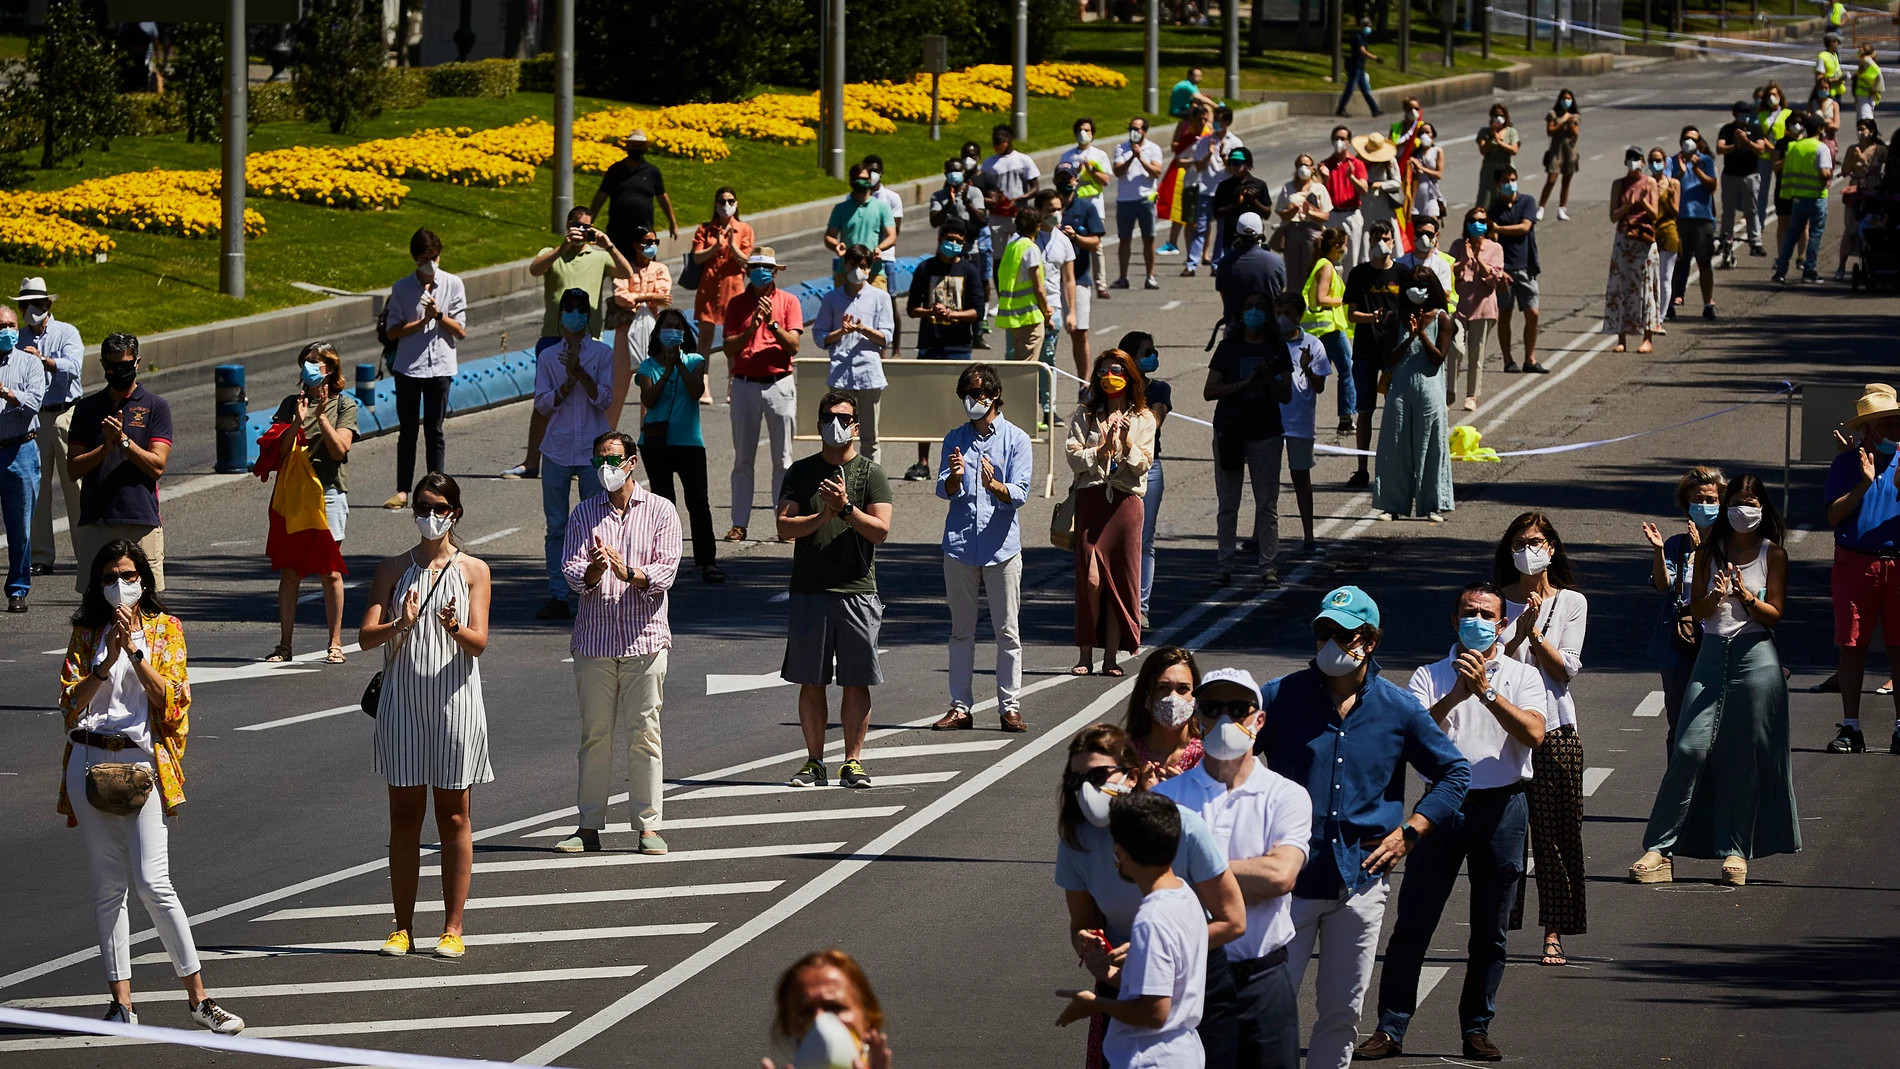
x=1801 y=171
x=1016 y=288
x=1320 y=320
x=1451 y=292
x=1837 y=14
x=1830 y=65
x=1774 y=123
x=1867 y=83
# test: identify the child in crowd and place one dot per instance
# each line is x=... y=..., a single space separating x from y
x=1310 y=368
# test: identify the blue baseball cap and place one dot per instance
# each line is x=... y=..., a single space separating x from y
x=1350 y=608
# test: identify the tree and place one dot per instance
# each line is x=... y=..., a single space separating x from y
x=688 y=50
x=197 y=76
x=64 y=96
x=337 y=64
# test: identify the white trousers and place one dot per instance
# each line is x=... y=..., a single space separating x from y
x=777 y=406
x=624 y=692
x=1004 y=584
x=1347 y=932
x=128 y=852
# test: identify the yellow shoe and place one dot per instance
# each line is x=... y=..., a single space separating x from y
x=449 y=946
x=397 y=944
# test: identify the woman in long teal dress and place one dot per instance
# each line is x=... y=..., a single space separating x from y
x=1729 y=791
x=1412 y=473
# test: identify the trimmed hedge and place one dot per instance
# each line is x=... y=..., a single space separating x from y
x=274 y=102
x=407 y=87
x=153 y=113
x=482 y=78
x=537 y=74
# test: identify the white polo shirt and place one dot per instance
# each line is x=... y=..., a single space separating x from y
x=1497 y=759
x=1266 y=811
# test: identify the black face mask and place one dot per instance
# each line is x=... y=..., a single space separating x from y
x=121 y=376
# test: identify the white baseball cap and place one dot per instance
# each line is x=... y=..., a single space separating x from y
x=1238 y=677
x=1249 y=223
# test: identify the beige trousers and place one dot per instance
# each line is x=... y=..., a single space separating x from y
x=90 y=538
x=624 y=692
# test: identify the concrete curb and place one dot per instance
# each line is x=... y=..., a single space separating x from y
x=1429 y=93
x=1590 y=66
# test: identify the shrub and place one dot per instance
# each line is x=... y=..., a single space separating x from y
x=151 y=113
x=64 y=97
x=275 y=102
x=197 y=79
x=482 y=78
x=338 y=63
x=689 y=51
x=537 y=74
x=405 y=87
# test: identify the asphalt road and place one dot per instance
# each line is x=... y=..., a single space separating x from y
x=940 y=878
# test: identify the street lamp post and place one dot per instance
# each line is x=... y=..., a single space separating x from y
x=1151 y=90
x=237 y=72
x=563 y=113
x=1019 y=78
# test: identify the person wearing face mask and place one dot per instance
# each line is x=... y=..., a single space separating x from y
x=1111 y=443
x=1479 y=275
x=1022 y=298
x=1729 y=790
x=720 y=247
x=1677 y=635
x=1424 y=252
x=1263 y=823
x=825 y=1006
x=1374 y=301
x=1347 y=185
x=1102 y=766
x=1015 y=176
x=1384 y=194
x=880 y=272
x=1497 y=147
x=1743 y=150
x=1630 y=296
x=428 y=318
x=836 y=505
x=1092 y=174
x=958 y=201
x=1668 y=240
x=1869 y=83
x=1137 y=164
x=980 y=249
x=1864 y=509
x=861 y=218
x=1358 y=51
x=1564 y=124
x=987 y=463
x=1080 y=222
x=1412 y=473
x=1545 y=618
x=1182 y=183
x=1208 y=170
x=1863 y=165
x=119 y=445
x=1313 y=324
x=123 y=695
x=763 y=328
x=321 y=417
x=629 y=189
x=946 y=298
x=1513 y=224
x=1693 y=171
x=573 y=385
x=1160 y=396
x=1426 y=168
x=1345 y=733
x=428 y=608
x=671 y=441
x=1239 y=195
x=22 y=390
x=1771 y=122
x=1060 y=288
x=1493 y=709
x=1248 y=267
x=1248 y=379
x=855 y=322
x=1160 y=715
x=1405 y=128
x=1303 y=205
x=637 y=299
x=620 y=555
x=55 y=345
x=1806 y=166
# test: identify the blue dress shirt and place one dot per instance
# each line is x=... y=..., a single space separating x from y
x=60 y=343
x=1354 y=769
x=26 y=377
x=979 y=530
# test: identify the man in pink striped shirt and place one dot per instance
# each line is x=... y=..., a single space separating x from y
x=621 y=554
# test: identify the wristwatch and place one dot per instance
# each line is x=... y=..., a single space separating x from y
x=1490 y=695
x=847 y=510
x=137 y=656
x=1410 y=833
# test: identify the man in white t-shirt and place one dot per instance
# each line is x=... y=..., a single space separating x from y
x=1092 y=178
x=1264 y=822
x=1209 y=167
x=1016 y=176
x=888 y=255
x=1137 y=164
x=1151 y=1024
x=1494 y=708
x=1058 y=283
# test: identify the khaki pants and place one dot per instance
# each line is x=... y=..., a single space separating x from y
x=52 y=439
x=1025 y=343
x=1476 y=333
x=623 y=691
x=89 y=539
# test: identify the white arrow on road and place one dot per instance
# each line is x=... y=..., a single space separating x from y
x=728 y=684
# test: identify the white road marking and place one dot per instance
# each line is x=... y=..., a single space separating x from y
x=62 y=649
x=738 y=820
x=1795 y=536
x=318 y=655
x=932 y=749
x=346 y=987
x=1593 y=778
x=172 y=493
x=238 y=542
x=487 y=939
x=198 y=676
x=617 y=860
x=1550 y=381
x=1171 y=306
x=487 y=538
x=1428 y=978
x=302 y=718
x=317 y=595
x=623 y=894
x=1651 y=705
x=781 y=596
x=736 y=684
x=745 y=790
x=293 y=1031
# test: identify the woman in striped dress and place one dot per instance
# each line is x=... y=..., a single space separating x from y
x=430 y=608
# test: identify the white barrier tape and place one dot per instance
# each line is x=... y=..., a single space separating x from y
x=276 y=1048
x=1573 y=28
x=1171 y=413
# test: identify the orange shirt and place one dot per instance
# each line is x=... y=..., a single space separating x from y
x=651 y=285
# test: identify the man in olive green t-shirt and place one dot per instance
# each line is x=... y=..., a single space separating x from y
x=585 y=261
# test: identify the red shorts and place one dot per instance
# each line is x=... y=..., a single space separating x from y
x=1866 y=592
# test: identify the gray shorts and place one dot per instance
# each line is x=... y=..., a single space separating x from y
x=827 y=630
x=1299 y=453
x=1520 y=293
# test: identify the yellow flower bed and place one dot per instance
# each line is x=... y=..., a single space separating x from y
x=966 y=92
x=610 y=126
x=1084 y=74
x=316 y=176
x=152 y=202
x=1041 y=83
x=804 y=109
x=740 y=120
x=909 y=101
x=27 y=237
x=434 y=158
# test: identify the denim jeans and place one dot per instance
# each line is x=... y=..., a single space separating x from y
x=554 y=508
x=1809 y=212
x=19 y=490
x=1260 y=465
x=1150 y=508
x=1356 y=78
x=1201 y=228
x=1339 y=354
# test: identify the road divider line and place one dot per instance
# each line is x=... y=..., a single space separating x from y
x=1593 y=778
x=1651 y=705
x=303 y=718
x=933 y=749
x=616 y=860
x=748 y=790
x=351 y=987
x=740 y=820
x=317 y=595
x=371 y=946
x=138 y=1035
x=487 y=538
x=1550 y=381
x=563 y=898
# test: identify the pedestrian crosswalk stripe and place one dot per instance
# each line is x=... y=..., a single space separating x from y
x=932 y=749
x=296 y=1031
x=736 y=820
x=1651 y=705
x=1428 y=978
x=488 y=939
x=744 y=790
x=344 y=987
x=303 y=718
x=615 y=860
x=565 y=898
x=1593 y=778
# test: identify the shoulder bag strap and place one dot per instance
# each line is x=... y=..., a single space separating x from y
x=423 y=606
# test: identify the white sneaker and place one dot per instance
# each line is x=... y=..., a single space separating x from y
x=217 y=1018
x=120 y=1013
x=1564 y=215
x=1540 y=213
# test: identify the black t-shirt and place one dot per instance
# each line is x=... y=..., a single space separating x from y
x=1253 y=413
x=1520 y=253
x=954 y=285
x=1373 y=289
x=1159 y=394
x=1741 y=160
x=631 y=189
x=1228 y=195
x=836 y=559
x=119 y=491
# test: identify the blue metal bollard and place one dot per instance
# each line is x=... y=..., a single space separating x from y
x=366 y=384
x=233 y=451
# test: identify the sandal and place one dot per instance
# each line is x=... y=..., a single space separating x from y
x=1653 y=867
x=1554 y=951
x=335 y=656
x=1113 y=671
x=1735 y=870
x=397 y=500
x=1082 y=670
x=278 y=653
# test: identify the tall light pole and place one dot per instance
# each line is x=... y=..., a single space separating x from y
x=563 y=113
x=1019 y=79
x=237 y=76
x=1151 y=91
x=1230 y=11
x=834 y=90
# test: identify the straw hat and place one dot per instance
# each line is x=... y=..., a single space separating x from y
x=1375 y=147
x=1876 y=400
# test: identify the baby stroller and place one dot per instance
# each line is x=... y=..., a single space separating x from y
x=1879 y=239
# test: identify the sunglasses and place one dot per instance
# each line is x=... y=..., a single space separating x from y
x=612 y=461
x=435 y=510
x=842 y=417
x=1237 y=710
x=728 y=200
x=1324 y=630
x=1097 y=777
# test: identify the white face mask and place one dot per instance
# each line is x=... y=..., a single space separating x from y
x=124 y=592
x=877 y=179
x=1172 y=710
x=725 y=210
x=829 y=1045
x=1531 y=560
x=1382 y=248
x=1094 y=802
x=975 y=408
x=1303 y=172
x=426 y=269
x=859 y=276
x=1134 y=137
x=433 y=526
x=1340 y=145
x=36 y=318
x=1424 y=141
x=1084 y=137
x=834 y=433
x=1744 y=518
x=1497 y=120
x=1635 y=166
x=1228 y=741
x=1417 y=294
x=1335 y=661
x=1689 y=147
x=614 y=477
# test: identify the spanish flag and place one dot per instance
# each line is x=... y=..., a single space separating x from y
x=299 y=539
x=1171 y=195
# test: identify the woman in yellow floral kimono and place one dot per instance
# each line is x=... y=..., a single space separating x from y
x=124 y=692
